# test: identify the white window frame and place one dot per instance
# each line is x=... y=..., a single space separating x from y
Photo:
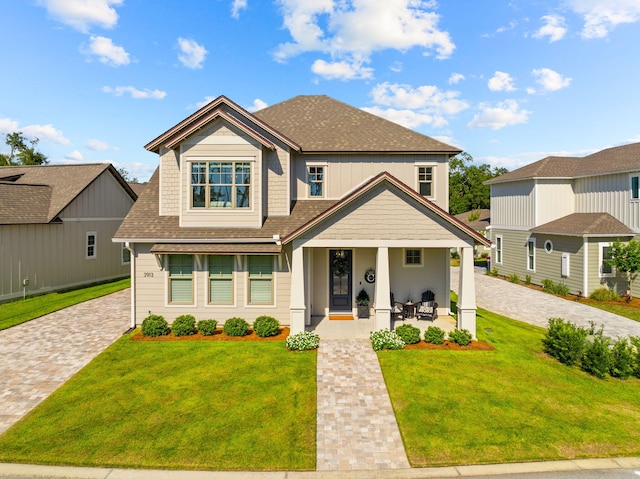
x=207 y=186
x=122 y=252
x=324 y=180
x=433 y=167
x=602 y=274
x=550 y=243
x=499 y=249
x=635 y=197
x=193 y=282
x=412 y=265
x=531 y=254
x=272 y=303
x=233 y=283
x=94 y=246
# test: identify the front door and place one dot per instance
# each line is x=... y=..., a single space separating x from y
x=340 y=280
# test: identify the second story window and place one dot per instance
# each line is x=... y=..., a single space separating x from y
x=220 y=184
x=635 y=187
x=425 y=181
x=316 y=181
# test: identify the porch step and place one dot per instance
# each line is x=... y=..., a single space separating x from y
x=341 y=317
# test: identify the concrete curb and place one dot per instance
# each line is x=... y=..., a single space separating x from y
x=30 y=470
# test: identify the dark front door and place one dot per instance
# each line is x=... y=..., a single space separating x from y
x=340 y=280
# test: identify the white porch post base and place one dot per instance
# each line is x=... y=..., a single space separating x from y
x=297 y=320
x=382 y=320
x=467 y=320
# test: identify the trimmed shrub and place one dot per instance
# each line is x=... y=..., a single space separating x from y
x=408 y=333
x=304 y=341
x=604 y=294
x=623 y=359
x=460 y=336
x=236 y=327
x=434 y=335
x=184 y=325
x=597 y=358
x=207 y=327
x=265 y=326
x=635 y=342
x=385 y=339
x=155 y=325
x=565 y=341
x=514 y=278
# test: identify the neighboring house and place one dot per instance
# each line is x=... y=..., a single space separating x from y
x=56 y=225
x=479 y=220
x=556 y=218
x=284 y=211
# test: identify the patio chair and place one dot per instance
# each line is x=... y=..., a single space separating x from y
x=397 y=309
x=427 y=307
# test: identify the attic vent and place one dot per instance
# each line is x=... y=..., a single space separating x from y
x=12 y=178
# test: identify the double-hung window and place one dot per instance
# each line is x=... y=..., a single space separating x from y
x=635 y=187
x=316 y=181
x=181 y=278
x=531 y=255
x=498 y=249
x=425 y=181
x=605 y=254
x=221 y=279
x=220 y=184
x=260 y=279
x=91 y=248
x=126 y=254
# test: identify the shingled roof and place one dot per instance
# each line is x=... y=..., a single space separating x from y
x=585 y=224
x=619 y=159
x=37 y=194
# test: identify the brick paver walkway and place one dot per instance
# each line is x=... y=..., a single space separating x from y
x=40 y=355
x=357 y=428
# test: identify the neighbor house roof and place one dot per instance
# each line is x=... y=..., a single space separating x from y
x=585 y=224
x=38 y=194
x=619 y=159
x=480 y=223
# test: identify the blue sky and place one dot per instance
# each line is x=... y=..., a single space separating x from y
x=510 y=82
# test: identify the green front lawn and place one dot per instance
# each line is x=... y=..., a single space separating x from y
x=178 y=405
x=511 y=404
x=23 y=310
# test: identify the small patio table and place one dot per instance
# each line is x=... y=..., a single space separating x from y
x=409 y=309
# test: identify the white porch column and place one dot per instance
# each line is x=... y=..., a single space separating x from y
x=383 y=290
x=297 y=306
x=467 y=292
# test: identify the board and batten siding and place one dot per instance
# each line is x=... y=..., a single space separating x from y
x=152 y=289
x=513 y=205
x=554 y=199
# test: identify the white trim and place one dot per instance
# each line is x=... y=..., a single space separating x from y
x=412 y=265
x=188 y=160
x=348 y=244
x=631 y=198
x=325 y=168
x=247 y=290
x=501 y=253
x=124 y=247
x=207 y=284
x=167 y=280
x=550 y=250
x=601 y=260
x=69 y=220
x=434 y=167
x=95 y=245
x=530 y=241
x=585 y=267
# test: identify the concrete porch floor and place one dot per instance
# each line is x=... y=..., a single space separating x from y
x=361 y=328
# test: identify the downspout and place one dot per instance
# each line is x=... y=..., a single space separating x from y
x=132 y=254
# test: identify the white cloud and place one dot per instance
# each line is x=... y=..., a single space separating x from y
x=99 y=145
x=506 y=113
x=427 y=97
x=258 y=104
x=135 y=93
x=550 y=80
x=406 y=118
x=341 y=70
x=7 y=125
x=501 y=81
x=106 y=51
x=236 y=6
x=396 y=67
x=207 y=99
x=456 y=78
x=600 y=17
x=74 y=155
x=81 y=14
x=192 y=55
x=554 y=28
x=41 y=132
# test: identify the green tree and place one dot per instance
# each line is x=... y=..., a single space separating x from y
x=625 y=257
x=467 y=190
x=22 y=151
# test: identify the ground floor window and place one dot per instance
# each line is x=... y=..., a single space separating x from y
x=531 y=255
x=605 y=254
x=126 y=254
x=91 y=245
x=412 y=257
x=499 y=249
x=221 y=279
x=181 y=278
x=260 y=279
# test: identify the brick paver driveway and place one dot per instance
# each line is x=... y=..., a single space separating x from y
x=40 y=355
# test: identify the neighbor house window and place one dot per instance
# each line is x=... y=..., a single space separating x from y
x=260 y=280
x=316 y=181
x=425 y=181
x=499 y=249
x=548 y=246
x=605 y=254
x=221 y=279
x=635 y=187
x=531 y=255
x=91 y=245
x=412 y=257
x=220 y=184
x=181 y=278
x=126 y=254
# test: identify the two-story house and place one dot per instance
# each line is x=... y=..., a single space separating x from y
x=556 y=218
x=289 y=212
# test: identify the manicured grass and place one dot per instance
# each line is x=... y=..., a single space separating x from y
x=621 y=309
x=178 y=405
x=23 y=310
x=511 y=404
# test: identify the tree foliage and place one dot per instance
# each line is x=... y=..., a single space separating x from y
x=625 y=257
x=22 y=151
x=467 y=190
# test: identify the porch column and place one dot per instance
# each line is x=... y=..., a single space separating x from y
x=467 y=292
x=383 y=290
x=297 y=306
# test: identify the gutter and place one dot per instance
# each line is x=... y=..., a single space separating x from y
x=132 y=253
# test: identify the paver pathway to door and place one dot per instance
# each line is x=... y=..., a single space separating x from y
x=357 y=428
x=40 y=355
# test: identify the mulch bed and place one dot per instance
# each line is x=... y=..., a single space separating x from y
x=450 y=346
x=218 y=335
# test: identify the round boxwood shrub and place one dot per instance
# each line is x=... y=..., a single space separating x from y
x=408 y=333
x=184 y=325
x=434 y=335
x=207 y=327
x=304 y=341
x=155 y=325
x=597 y=358
x=460 y=336
x=236 y=327
x=265 y=326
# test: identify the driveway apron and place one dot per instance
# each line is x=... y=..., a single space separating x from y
x=535 y=307
x=40 y=355
x=356 y=426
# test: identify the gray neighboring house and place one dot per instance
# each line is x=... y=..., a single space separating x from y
x=56 y=225
x=556 y=218
x=479 y=220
